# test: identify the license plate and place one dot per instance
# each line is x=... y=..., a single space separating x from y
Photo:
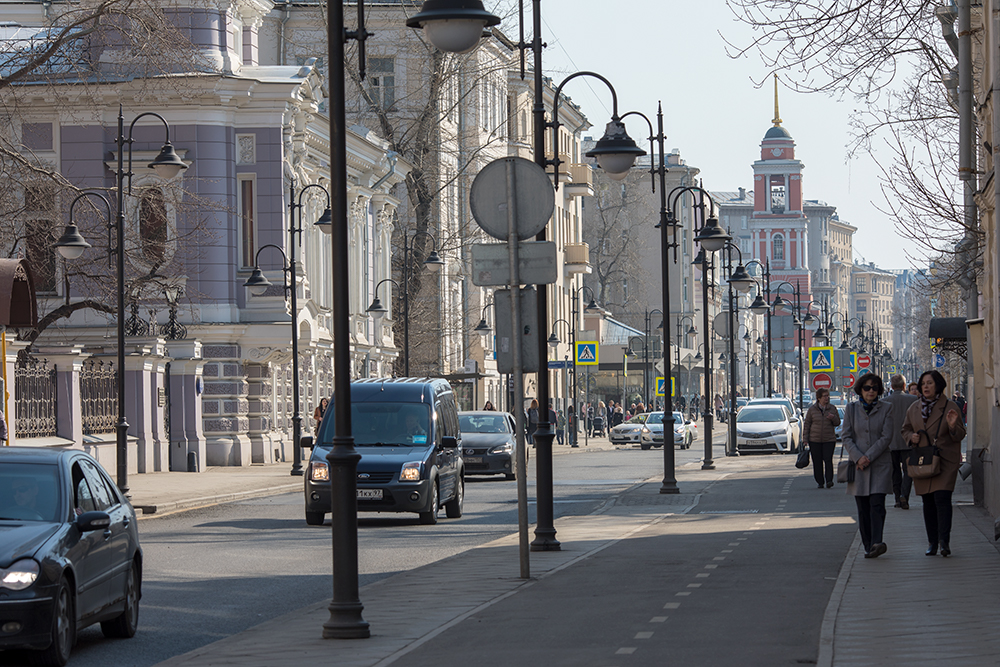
x=756 y=442
x=473 y=459
x=369 y=494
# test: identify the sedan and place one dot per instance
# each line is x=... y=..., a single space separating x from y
x=488 y=443
x=838 y=427
x=630 y=432
x=765 y=428
x=652 y=431
x=685 y=431
x=69 y=556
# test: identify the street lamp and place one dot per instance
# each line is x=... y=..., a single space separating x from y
x=650 y=398
x=740 y=281
x=682 y=335
x=710 y=237
x=345 y=620
x=762 y=306
x=434 y=262
x=71 y=245
x=591 y=307
x=173 y=330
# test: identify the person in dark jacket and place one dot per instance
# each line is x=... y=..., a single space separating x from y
x=819 y=431
x=899 y=449
x=532 y=421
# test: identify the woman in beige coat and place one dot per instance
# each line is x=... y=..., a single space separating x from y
x=934 y=420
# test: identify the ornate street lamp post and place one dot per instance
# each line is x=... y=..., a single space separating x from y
x=71 y=245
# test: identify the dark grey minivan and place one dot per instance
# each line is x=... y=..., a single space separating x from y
x=406 y=431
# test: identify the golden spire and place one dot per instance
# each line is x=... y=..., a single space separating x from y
x=777 y=117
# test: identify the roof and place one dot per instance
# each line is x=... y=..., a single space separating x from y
x=777 y=132
x=618 y=333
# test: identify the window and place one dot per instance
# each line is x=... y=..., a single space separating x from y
x=153 y=225
x=248 y=220
x=859 y=285
x=874 y=285
x=778 y=247
x=862 y=306
x=743 y=222
x=382 y=82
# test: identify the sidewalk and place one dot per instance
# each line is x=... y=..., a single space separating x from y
x=902 y=608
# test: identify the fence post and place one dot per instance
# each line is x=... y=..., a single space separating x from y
x=13 y=348
x=68 y=362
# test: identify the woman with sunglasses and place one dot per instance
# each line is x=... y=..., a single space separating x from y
x=866 y=435
x=934 y=420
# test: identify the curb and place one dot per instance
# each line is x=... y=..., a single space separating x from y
x=160 y=509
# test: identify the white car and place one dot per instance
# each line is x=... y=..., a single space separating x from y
x=685 y=431
x=766 y=428
x=629 y=432
x=793 y=410
x=652 y=431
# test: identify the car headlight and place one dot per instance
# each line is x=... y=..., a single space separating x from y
x=505 y=448
x=410 y=472
x=645 y=429
x=319 y=472
x=20 y=575
x=781 y=432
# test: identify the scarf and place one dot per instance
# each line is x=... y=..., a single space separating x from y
x=868 y=406
x=926 y=405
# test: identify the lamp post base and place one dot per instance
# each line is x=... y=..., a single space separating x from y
x=669 y=486
x=346 y=622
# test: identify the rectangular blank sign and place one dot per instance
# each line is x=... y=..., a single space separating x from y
x=536 y=263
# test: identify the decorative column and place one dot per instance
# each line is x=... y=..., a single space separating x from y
x=143 y=407
x=184 y=386
x=13 y=348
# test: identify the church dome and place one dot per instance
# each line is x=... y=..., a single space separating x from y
x=777 y=132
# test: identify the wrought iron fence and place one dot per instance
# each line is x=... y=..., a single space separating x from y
x=35 y=398
x=98 y=397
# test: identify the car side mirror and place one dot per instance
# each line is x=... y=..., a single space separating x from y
x=449 y=442
x=89 y=521
x=306 y=442
x=793 y=420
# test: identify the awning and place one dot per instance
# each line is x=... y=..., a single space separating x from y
x=17 y=295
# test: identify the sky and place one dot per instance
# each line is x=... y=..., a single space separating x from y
x=714 y=113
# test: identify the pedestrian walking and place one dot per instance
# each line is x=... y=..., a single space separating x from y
x=913 y=389
x=561 y=426
x=489 y=406
x=3 y=427
x=532 y=421
x=867 y=433
x=899 y=448
x=719 y=407
x=572 y=426
x=934 y=420
x=819 y=429
x=318 y=414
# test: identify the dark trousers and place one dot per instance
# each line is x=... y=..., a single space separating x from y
x=559 y=435
x=822 y=458
x=871 y=518
x=937 y=516
x=901 y=482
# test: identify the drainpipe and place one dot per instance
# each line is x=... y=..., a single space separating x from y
x=970 y=249
x=391 y=156
x=286 y=14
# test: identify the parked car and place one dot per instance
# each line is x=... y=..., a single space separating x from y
x=685 y=431
x=838 y=427
x=629 y=432
x=651 y=434
x=766 y=427
x=406 y=431
x=793 y=410
x=488 y=443
x=70 y=554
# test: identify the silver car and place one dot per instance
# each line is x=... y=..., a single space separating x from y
x=488 y=443
x=629 y=432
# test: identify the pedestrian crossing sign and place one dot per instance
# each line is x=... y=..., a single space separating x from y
x=586 y=353
x=892 y=369
x=820 y=359
x=661 y=385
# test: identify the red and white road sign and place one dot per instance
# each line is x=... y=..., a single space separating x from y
x=864 y=361
x=822 y=381
x=849 y=381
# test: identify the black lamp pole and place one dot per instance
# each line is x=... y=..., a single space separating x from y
x=71 y=245
x=651 y=397
x=765 y=309
x=295 y=227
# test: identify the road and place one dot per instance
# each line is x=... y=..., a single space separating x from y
x=213 y=572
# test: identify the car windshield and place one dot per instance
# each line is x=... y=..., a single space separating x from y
x=638 y=419
x=761 y=414
x=655 y=418
x=678 y=419
x=482 y=424
x=29 y=491
x=383 y=424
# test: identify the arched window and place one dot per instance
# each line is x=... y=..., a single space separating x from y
x=153 y=225
x=777 y=247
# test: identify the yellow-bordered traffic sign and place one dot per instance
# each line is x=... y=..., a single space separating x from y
x=586 y=353
x=820 y=359
x=661 y=384
x=854 y=362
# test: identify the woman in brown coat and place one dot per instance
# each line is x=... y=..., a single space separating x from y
x=934 y=420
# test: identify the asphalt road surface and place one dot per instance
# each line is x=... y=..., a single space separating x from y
x=213 y=572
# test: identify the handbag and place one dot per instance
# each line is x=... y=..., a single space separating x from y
x=845 y=469
x=925 y=462
x=802 y=460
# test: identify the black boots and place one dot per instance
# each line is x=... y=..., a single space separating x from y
x=931 y=550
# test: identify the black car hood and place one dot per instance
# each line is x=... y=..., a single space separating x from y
x=23 y=539
x=485 y=439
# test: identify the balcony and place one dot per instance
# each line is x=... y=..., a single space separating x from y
x=580 y=180
x=577 y=259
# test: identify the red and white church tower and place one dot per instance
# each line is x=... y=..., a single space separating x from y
x=779 y=227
